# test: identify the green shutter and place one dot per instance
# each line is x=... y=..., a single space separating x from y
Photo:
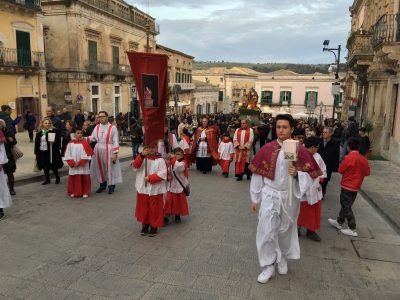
x=270 y=98
x=92 y=49
x=115 y=55
x=337 y=100
x=306 y=99
x=23 y=48
x=316 y=99
x=282 y=94
x=290 y=98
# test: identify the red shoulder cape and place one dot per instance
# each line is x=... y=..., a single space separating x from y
x=211 y=142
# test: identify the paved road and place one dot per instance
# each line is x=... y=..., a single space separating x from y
x=54 y=247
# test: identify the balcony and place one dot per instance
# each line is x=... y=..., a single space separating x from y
x=98 y=67
x=32 y=4
x=184 y=86
x=17 y=60
x=121 y=70
x=387 y=31
x=127 y=13
x=360 y=49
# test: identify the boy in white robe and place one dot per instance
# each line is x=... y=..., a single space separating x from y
x=5 y=197
x=150 y=186
x=77 y=155
x=226 y=152
x=276 y=238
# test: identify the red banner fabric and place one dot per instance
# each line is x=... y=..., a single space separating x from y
x=150 y=73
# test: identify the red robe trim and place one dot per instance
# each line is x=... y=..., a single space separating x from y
x=264 y=163
x=241 y=155
x=2 y=137
x=149 y=209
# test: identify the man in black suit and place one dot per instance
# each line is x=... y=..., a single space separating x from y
x=329 y=151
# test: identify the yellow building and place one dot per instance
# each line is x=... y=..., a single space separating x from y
x=85 y=44
x=22 y=64
x=373 y=77
x=180 y=82
x=233 y=84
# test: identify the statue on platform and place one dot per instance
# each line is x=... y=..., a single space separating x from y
x=251 y=99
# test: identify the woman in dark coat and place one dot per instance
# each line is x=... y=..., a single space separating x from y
x=30 y=124
x=10 y=167
x=42 y=150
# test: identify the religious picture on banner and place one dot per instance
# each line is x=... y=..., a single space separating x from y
x=150 y=90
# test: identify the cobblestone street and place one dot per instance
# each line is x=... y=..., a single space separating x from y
x=54 y=247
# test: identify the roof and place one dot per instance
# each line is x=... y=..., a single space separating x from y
x=158 y=46
x=225 y=71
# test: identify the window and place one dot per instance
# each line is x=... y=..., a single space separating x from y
x=221 y=96
x=199 y=109
x=117 y=99
x=115 y=55
x=221 y=79
x=236 y=93
x=311 y=100
x=215 y=107
x=92 y=50
x=95 y=98
x=23 y=48
x=177 y=77
x=338 y=99
x=208 y=108
x=266 y=97
x=285 y=98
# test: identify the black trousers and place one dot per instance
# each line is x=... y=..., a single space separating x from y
x=347 y=199
x=204 y=164
x=324 y=185
x=246 y=171
x=30 y=132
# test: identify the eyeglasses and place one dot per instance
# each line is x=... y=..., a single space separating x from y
x=102 y=116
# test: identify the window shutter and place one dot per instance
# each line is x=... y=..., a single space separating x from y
x=115 y=54
x=282 y=94
x=316 y=98
x=23 y=48
x=92 y=47
x=289 y=98
x=306 y=99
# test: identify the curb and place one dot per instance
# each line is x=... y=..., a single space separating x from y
x=38 y=176
x=381 y=212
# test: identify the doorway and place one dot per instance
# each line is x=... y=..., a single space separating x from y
x=24 y=105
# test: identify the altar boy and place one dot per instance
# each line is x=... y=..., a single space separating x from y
x=150 y=186
x=225 y=151
x=77 y=155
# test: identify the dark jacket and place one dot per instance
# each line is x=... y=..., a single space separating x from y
x=66 y=138
x=330 y=155
x=30 y=122
x=10 y=167
x=43 y=157
x=9 y=123
x=79 y=120
x=136 y=134
x=351 y=131
x=365 y=144
x=56 y=122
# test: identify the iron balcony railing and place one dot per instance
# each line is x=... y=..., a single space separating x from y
x=21 y=58
x=130 y=14
x=121 y=70
x=98 y=67
x=387 y=30
x=35 y=4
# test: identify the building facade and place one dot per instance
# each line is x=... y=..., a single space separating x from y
x=298 y=93
x=205 y=98
x=233 y=84
x=373 y=77
x=22 y=63
x=85 y=42
x=180 y=83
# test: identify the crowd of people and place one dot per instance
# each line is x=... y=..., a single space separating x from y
x=89 y=145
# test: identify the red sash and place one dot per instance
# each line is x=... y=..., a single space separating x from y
x=241 y=154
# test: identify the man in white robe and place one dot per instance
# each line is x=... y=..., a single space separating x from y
x=276 y=238
x=105 y=167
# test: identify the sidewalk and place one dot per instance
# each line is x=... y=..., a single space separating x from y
x=382 y=189
x=25 y=165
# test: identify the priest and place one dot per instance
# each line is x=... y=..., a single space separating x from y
x=276 y=238
x=243 y=142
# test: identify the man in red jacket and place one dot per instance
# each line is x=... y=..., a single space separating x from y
x=353 y=168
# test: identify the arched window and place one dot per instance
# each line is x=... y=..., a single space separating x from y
x=199 y=110
x=208 y=108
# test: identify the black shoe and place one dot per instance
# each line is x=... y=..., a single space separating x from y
x=100 y=190
x=204 y=172
x=248 y=177
x=152 y=232
x=299 y=231
x=57 y=179
x=1 y=214
x=178 y=219
x=46 y=182
x=226 y=175
x=145 y=230
x=312 y=235
x=166 y=221
x=239 y=178
x=12 y=193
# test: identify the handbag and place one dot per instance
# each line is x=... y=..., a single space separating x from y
x=16 y=153
x=186 y=189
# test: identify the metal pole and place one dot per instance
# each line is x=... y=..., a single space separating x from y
x=336 y=78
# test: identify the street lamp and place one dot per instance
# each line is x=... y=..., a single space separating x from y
x=337 y=61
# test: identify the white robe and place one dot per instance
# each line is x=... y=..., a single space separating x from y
x=5 y=197
x=156 y=166
x=173 y=185
x=277 y=219
x=225 y=150
x=76 y=152
x=102 y=168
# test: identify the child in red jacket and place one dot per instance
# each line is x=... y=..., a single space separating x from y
x=353 y=168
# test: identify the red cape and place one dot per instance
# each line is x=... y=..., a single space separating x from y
x=211 y=143
x=86 y=146
x=264 y=163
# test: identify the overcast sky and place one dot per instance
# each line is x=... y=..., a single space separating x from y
x=252 y=31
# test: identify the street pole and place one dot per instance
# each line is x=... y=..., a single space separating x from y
x=337 y=60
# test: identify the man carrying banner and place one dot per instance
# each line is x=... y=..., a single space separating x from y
x=105 y=166
x=243 y=141
x=205 y=149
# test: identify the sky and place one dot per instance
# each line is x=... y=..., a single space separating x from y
x=255 y=31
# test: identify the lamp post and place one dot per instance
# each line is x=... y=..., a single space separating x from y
x=337 y=61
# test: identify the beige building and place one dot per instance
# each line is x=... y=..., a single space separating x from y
x=233 y=84
x=286 y=90
x=372 y=81
x=180 y=82
x=205 y=98
x=22 y=63
x=85 y=44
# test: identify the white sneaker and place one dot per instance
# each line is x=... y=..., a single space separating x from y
x=282 y=266
x=85 y=196
x=334 y=223
x=349 y=232
x=72 y=196
x=266 y=274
